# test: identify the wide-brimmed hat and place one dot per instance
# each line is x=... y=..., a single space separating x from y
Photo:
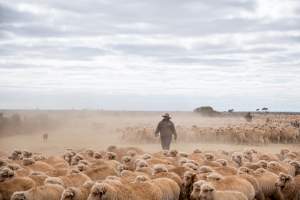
x=166 y=115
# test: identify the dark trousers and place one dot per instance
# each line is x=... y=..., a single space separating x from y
x=165 y=142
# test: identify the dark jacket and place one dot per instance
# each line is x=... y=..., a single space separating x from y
x=166 y=129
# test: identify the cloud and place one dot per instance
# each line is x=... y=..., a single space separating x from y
x=241 y=52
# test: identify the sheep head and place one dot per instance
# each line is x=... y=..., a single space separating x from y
x=197 y=189
x=283 y=181
x=102 y=191
x=207 y=192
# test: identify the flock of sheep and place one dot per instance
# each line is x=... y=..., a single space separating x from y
x=259 y=132
x=132 y=174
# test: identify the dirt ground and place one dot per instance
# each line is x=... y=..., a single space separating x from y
x=98 y=130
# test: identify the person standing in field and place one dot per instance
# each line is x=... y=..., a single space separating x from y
x=166 y=130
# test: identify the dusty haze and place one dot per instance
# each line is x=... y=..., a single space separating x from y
x=99 y=129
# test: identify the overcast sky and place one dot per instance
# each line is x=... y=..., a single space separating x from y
x=150 y=55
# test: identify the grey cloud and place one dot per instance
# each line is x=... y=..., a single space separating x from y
x=10 y=15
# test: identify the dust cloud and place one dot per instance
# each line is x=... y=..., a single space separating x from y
x=99 y=129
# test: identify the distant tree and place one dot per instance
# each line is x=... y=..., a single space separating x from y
x=257 y=110
x=206 y=111
x=265 y=109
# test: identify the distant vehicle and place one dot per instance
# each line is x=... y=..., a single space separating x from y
x=265 y=109
x=231 y=110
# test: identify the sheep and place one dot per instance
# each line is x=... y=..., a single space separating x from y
x=41 y=166
x=208 y=192
x=3 y=163
x=288 y=186
x=77 y=193
x=232 y=183
x=245 y=174
x=196 y=189
x=296 y=165
x=38 y=177
x=9 y=186
x=277 y=168
x=189 y=178
x=110 y=189
x=111 y=156
x=266 y=180
x=28 y=161
x=16 y=155
x=170 y=189
x=100 y=171
x=160 y=171
x=6 y=173
x=48 y=191
x=74 y=179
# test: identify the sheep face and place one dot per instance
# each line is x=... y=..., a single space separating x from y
x=126 y=159
x=27 y=154
x=89 y=152
x=197 y=189
x=237 y=158
x=283 y=180
x=28 y=161
x=18 y=196
x=262 y=164
x=214 y=177
x=140 y=179
x=223 y=162
x=209 y=157
x=197 y=151
x=207 y=192
x=97 y=155
x=101 y=191
x=68 y=194
x=2 y=163
x=131 y=153
x=205 y=169
x=244 y=170
x=146 y=156
x=141 y=164
x=188 y=178
x=159 y=169
x=173 y=153
x=6 y=173
x=111 y=156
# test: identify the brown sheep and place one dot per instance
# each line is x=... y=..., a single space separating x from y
x=278 y=168
x=235 y=183
x=245 y=174
x=170 y=189
x=6 y=173
x=266 y=180
x=208 y=192
x=74 y=179
x=48 y=191
x=77 y=193
x=110 y=189
x=9 y=186
x=288 y=186
x=161 y=171
x=100 y=171
x=189 y=178
x=38 y=177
